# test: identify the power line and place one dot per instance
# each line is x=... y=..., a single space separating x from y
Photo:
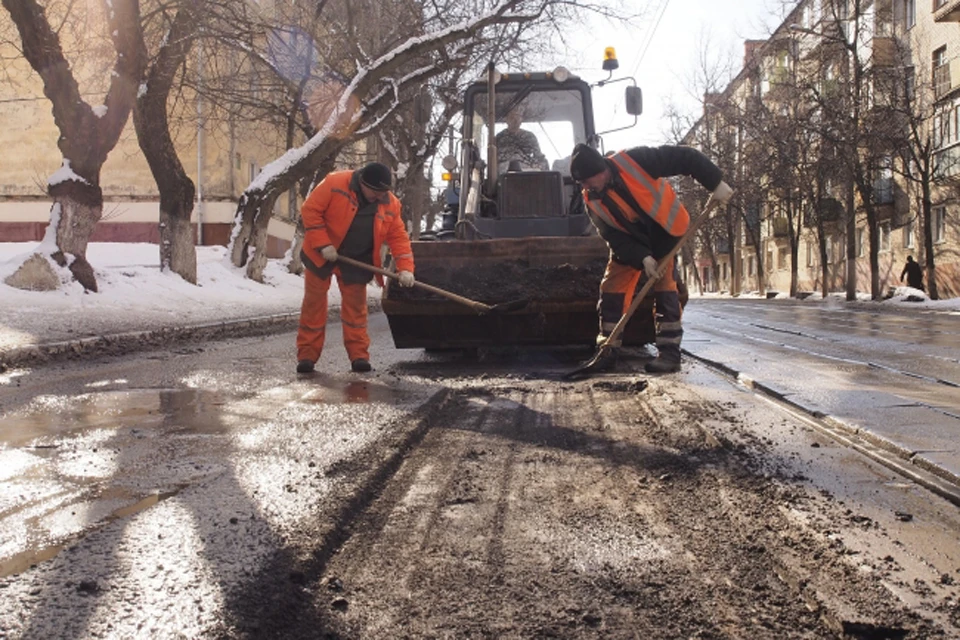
x=646 y=46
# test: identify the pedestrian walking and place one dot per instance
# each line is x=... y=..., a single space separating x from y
x=352 y=213
x=641 y=218
x=914 y=274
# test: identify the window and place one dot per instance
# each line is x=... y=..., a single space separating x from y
x=939 y=224
x=237 y=161
x=910 y=13
x=941 y=72
x=842 y=248
x=809 y=254
x=782 y=260
x=883 y=187
x=828 y=249
x=908 y=235
x=860 y=242
x=723 y=271
x=885 y=236
x=254 y=171
x=769 y=260
x=751 y=266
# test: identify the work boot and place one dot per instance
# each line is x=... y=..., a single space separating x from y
x=361 y=365
x=662 y=365
x=305 y=366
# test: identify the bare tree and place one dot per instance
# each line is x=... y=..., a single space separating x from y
x=87 y=133
x=369 y=98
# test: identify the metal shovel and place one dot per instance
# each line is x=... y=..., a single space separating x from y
x=584 y=370
x=479 y=307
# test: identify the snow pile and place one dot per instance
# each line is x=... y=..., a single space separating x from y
x=135 y=295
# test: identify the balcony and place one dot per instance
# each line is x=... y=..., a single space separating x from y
x=946 y=10
x=892 y=202
x=885 y=51
x=829 y=210
x=781 y=227
x=947 y=165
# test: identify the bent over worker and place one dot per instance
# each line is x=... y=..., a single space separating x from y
x=352 y=213
x=641 y=218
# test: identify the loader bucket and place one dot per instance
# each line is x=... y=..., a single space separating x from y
x=558 y=276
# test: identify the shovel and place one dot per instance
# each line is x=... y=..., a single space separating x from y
x=584 y=370
x=479 y=307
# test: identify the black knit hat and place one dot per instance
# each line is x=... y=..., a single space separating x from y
x=586 y=162
x=376 y=176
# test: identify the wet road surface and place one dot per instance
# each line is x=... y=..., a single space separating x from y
x=211 y=492
x=894 y=374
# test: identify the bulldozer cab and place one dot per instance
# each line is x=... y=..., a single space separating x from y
x=515 y=157
x=521 y=230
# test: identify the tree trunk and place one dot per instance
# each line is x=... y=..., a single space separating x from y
x=928 y=258
x=177 y=242
x=851 y=279
x=177 y=190
x=827 y=281
x=259 y=233
x=295 y=264
x=74 y=219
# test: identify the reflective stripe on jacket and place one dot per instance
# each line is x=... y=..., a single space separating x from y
x=655 y=196
x=328 y=212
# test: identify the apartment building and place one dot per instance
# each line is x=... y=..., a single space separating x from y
x=874 y=81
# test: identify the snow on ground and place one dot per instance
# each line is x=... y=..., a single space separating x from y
x=135 y=295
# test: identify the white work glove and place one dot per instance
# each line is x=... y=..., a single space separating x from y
x=329 y=253
x=406 y=279
x=722 y=193
x=650 y=267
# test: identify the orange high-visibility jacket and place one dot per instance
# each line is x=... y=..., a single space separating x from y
x=655 y=196
x=329 y=210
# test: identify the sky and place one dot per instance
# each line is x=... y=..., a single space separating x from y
x=661 y=54
x=135 y=296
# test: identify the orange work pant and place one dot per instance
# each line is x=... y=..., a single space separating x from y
x=616 y=293
x=313 y=317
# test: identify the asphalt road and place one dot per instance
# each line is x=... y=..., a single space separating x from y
x=208 y=491
x=891 y=375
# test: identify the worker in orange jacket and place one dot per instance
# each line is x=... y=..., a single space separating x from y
x=352 y=213
x=641 y=218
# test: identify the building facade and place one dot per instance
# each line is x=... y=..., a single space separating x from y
x=841 y=135
x=221 y=157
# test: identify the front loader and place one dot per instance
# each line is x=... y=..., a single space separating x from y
x=519 y=233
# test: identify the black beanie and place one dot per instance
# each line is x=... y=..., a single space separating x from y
x=586 y=162
x=376 y=176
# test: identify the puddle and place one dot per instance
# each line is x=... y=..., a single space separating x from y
x=27 y=558
x=195 y=410
x=350 y=392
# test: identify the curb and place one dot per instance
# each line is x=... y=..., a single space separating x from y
x=880 y=449
x=132 y=341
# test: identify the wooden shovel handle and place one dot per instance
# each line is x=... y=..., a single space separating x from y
x=638 y=298
x=473 y=304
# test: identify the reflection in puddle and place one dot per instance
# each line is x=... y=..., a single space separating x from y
x=27 y=558
x=193 y=410
x=350 y=392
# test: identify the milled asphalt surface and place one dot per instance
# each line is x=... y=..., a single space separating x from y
x=925 y=441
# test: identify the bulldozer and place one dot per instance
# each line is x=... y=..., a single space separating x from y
x=517 y=230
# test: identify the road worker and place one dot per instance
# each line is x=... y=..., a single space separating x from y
x=352 y=213
x=641 y=218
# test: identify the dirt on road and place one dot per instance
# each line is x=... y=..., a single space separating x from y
x=524 y=507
